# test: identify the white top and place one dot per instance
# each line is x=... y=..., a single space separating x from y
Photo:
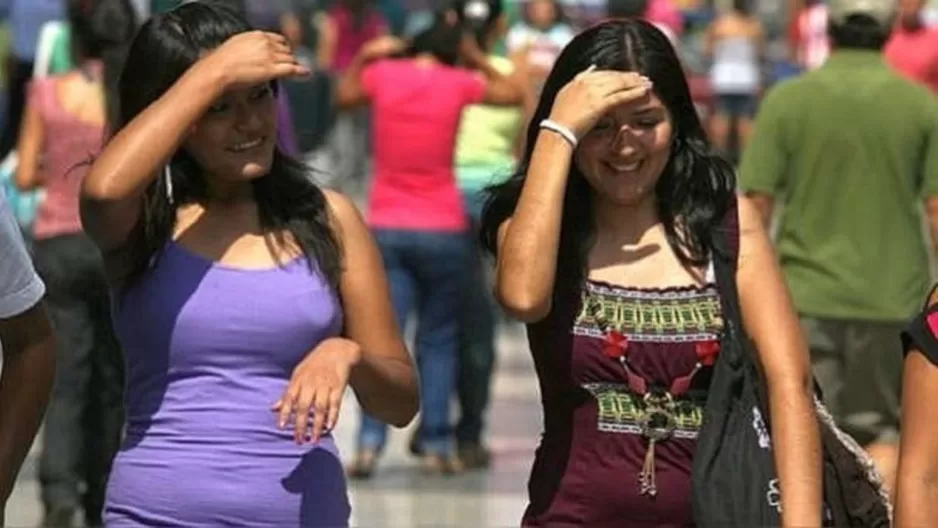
x=20 y=286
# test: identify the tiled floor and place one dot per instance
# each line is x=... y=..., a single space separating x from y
x=399 y=496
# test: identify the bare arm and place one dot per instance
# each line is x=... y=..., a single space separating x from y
x=25 y=386
x=350 y=91
x=501 y=90
x=292 y=28
x=764 y=205
x=528 y=243
x=28 y=149
x=385 y=379
x=326 y=45
x=773 y=325
x=917 y=482
x=112 y=191
x=931 y=214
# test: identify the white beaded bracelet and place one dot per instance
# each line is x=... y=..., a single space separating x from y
x=564 y=132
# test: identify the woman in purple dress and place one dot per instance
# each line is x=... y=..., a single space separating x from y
x=246 y=298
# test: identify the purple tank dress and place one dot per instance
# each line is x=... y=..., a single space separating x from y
x=209 y=349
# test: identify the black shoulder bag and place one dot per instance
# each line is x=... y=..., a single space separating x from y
x=734 y=478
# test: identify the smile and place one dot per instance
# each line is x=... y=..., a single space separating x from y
x=247 y=145
x=625 y=167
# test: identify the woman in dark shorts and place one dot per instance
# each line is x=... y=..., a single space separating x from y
x=605 y=241
x=917 y=481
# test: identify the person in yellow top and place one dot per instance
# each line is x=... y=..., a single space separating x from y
x=486 y=146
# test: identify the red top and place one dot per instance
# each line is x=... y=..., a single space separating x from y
x=914 y=53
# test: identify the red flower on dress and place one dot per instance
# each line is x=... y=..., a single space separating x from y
x=615 y=344
x=707 y=352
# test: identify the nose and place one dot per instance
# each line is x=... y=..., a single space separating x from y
x=625 y=143
x=250 y=118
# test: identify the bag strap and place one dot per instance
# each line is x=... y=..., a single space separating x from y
x=725 y=263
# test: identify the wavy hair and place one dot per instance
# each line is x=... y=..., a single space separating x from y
x=166 y=46
x=695 y=189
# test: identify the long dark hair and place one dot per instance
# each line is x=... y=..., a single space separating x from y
x=441 y=39
x=287 y=199
x=693 y=193
x=479 y=17
x=102 y=30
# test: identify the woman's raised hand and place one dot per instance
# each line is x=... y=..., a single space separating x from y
x=583 y=101
x=252 y=58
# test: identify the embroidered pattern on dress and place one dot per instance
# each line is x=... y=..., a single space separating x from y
x=670 y=315
x=623 y=412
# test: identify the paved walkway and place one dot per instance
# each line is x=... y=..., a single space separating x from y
x=399 y=496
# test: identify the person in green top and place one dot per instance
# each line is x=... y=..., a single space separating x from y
x=486 y=146
x=851 y=153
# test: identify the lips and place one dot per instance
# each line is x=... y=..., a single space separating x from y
x=247 y=145
x=625 y=167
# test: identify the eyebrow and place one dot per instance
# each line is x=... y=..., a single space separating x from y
x=648 y=110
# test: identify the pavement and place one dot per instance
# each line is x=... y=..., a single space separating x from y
x=398 y=495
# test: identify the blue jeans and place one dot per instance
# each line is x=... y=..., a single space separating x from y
x=477 y=335
x=426 y=272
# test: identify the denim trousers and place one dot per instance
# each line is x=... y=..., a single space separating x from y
x=427 y=272
x=84 y=422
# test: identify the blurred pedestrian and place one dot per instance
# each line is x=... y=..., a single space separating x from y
x=64 y=125
x=913 y=47
x=850 y=153
x=417 y=95
x=27 y=354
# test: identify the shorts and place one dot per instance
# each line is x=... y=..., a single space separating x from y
x=736 y=105
x=858 y=365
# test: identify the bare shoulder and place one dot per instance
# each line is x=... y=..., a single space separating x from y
x=343 y=210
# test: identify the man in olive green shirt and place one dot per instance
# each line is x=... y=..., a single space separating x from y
x=851 y=152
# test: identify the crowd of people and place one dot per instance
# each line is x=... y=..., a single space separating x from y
x=220 y=215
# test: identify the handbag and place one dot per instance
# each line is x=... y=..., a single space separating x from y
x=734 y=480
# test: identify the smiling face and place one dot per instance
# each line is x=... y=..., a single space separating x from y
x=234 y=141
x=623 y=156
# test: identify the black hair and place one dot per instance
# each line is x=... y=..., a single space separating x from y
x=859 y=32
x=102 y=30
x=442 y=39
x=166 y=46
x=626 y=8
x=742 y=6
x=696 y=188
x=478 y=17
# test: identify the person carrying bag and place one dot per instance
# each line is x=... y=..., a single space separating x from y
x=734 y=480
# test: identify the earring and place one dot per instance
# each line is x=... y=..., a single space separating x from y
x=168 y=176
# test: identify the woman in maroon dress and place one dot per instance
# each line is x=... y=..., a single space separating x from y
x=604 y=241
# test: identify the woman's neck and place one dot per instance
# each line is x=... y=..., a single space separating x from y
x=627 y=224
x=227 y=194
x=426 y=59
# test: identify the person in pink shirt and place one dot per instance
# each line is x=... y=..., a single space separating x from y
x=343 y=30
x=415 y=208
x=63 y=129
x=913 y=48
x=663 y=13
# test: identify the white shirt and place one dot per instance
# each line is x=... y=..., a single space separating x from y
x=20 y=286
